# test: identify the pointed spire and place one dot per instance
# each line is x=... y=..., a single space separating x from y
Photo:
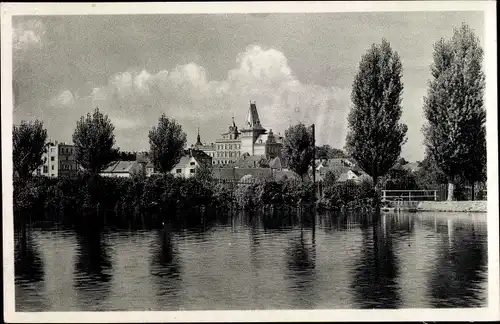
x=198 y=139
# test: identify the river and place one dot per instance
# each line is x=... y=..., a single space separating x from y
x=257 y=262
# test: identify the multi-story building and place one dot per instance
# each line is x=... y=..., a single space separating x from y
x=59 y=161
x=253 y=139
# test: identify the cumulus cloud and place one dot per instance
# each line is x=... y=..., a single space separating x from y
x=27 y=34
x=64 y=99
x=133 y=99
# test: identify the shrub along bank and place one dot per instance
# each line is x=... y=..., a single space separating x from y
x=141 y=200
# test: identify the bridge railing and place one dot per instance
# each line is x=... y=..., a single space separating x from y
x=409 y=195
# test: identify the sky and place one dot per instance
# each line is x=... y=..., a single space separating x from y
x=202 y=70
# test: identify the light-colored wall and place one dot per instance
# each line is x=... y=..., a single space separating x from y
x=186 y=169
x=259 y=149
x=247 y=143
x=351 y=175
x=115 y=174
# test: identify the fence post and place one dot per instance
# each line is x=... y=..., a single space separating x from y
x=435 y=195
x=383 y=195
x=409 y=196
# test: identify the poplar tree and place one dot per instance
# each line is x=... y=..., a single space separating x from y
x=167 y=141
x=94 y=139
x=375 y=135
x=298 y=149
x=455 y=134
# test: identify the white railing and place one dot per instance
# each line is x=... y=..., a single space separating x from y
x=409 y=195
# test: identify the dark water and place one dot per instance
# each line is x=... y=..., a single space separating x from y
x=399 y=261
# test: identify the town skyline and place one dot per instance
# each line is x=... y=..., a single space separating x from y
x=204 y=69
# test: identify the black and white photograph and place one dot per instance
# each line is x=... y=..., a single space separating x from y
x=306 y=161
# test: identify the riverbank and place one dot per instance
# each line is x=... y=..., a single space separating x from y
x=479 y=206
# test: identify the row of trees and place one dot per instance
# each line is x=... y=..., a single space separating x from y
x=454 y=133
x=455 y=129
x=94 y=142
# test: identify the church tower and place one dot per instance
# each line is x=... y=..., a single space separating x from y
x=198 y=139
x=251 y=130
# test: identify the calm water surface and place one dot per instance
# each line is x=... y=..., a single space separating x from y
x=255 y=262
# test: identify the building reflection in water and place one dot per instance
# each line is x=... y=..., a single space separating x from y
x=165 y=270
x=93 y=269
x=457 y=278
x=374 y=282
x=301 y=264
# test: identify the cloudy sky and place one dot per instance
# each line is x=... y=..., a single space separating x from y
x=203 y=69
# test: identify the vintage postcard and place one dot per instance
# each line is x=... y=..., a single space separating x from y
x=250 y=161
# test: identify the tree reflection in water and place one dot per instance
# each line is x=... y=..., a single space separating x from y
x=28 y=266
x=278 y=220
x=301 y=262
x=93 y=268
x=165 y=269
x=455 y=280
x=374 y=281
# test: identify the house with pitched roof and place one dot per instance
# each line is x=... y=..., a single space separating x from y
x=121 y=169
x=190 y=162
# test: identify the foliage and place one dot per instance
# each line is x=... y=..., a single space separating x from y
x=327 y=152
x=341 y=194
x=455 y=131
x=330 y=179
x=167 y=141
x=298 y=149
x=247 y=196
x=94 y=139
x=428 y=175
x=399 y=178
x=375 y=135
x=204 y=173
x=28 y=146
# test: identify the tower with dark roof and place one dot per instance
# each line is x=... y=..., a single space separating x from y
x=198 y=139
x=252 y=130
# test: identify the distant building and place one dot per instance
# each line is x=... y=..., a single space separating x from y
x=146 y=163
x=209 y=149
x=343 y=168
x=59 y=161
x=252 y=139
x=190 y=162
x=412 y=167
x=122 y=169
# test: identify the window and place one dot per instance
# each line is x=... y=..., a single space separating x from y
x=45 y=169
x=52 y=167
x=52 y=158
x=38 y=171
x=178 y=171
x=192 y=171
x=192 y=163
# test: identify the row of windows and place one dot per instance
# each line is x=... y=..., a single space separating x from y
x=228 y=146
x=228 y=154
x=63 y=167
x=223 y=162
x=67 y=150
x=190 y=171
